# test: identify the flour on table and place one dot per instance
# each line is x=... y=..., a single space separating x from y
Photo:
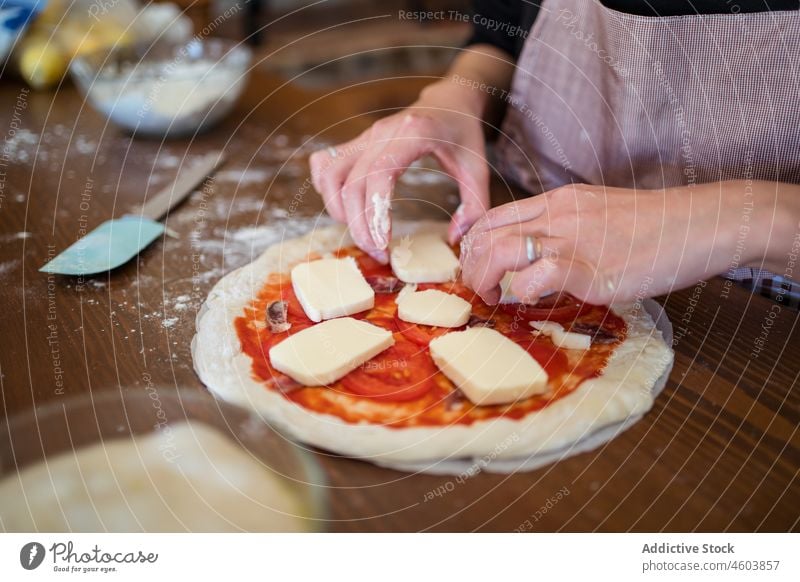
x=244 y=176
x=8 y=266
x=157 y=179
x=15 y=236
x=219 y=250
x=19 y=146
x=239 y=246
x=84 y=146
x=166 y=160
x=181 y=303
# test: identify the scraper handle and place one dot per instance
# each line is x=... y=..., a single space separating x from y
x=184 y=184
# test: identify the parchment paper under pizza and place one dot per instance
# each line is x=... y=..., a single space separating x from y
x=403 y=365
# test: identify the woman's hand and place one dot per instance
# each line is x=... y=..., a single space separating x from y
x=357 y=178
x=612 y=244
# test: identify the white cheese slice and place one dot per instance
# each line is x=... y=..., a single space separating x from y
x=488 y=367
x=568 y=340
x=433 y=307
x=329 y=288
x=323 y=353
x=506 y=295
x=423 y=258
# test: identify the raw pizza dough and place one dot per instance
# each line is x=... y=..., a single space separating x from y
x=622 y=392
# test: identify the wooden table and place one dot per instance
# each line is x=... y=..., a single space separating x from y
x=719 y=450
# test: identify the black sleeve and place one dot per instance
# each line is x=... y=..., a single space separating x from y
x=502 y=23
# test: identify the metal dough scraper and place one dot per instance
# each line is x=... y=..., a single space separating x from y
x=117 y=241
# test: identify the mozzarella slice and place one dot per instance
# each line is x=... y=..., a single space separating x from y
x=423 y=258
x=321 y=354
x=433 y=307
x=329 y=288
x=488 y=367
x=506 y=295
x=568 y=340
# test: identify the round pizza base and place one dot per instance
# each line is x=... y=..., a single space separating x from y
x=537 y=460
x=601 y=405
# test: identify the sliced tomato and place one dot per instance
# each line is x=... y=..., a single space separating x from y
x=445 y=287
x=385 y=305
x=418 y=334
x=557 y=307
x=403 y=372
x=371 y=268
x=378 y=318
x=274 y=379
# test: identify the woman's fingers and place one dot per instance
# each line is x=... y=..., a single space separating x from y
x=512 y=213
x=395 y=143
x=354 y=191
x=487 y=256
x=545 y=276
x=471 y=170
x=556 y=274
x=354 y=202
x=560 y=201
x=329 y=170
x=357 y=179
x=398 y=153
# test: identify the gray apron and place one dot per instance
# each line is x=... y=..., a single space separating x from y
x=602 y=97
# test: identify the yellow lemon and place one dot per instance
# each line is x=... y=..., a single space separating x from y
x=41 y=63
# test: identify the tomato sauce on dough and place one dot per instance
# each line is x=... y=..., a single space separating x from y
x=402 y=387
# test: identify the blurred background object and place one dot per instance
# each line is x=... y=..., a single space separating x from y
x=164 y=89
x=66 y=29
x=154 y=460
x=340 y=42
x=15 y=16
x=335 y=41
x=132 y=60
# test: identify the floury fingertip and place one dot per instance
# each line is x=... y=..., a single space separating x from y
x=379 y=225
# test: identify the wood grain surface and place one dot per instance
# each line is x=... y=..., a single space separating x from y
x=719 y=451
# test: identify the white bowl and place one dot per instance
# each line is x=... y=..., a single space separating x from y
x=165 y=90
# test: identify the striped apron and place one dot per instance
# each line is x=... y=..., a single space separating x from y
x=603 y=97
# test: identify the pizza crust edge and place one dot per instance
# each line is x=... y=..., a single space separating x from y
x=624 y=390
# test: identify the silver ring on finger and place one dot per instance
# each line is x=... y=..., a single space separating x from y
x=533 y=249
